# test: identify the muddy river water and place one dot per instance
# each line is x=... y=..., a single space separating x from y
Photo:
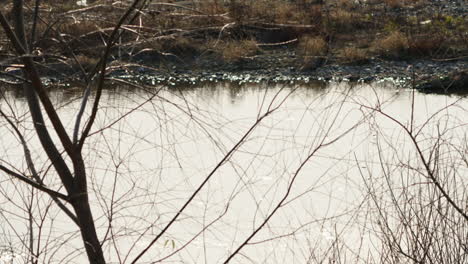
x=326 y=161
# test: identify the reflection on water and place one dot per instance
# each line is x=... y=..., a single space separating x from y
x=315 y=153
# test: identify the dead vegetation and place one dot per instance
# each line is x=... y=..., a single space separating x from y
x=184 y=28
x=312 y=46
x=393 y=44
x=353 y=55
x=235 y=51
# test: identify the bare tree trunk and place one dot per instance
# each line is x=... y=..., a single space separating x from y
x=72 y=176
x=80 y=203
x=76 y=183
x=87 y=227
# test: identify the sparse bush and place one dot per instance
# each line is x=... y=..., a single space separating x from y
x=179 y=45
x=426 y=45
x=342 y=20
x=289 y=14
x=233 y=51
x=312 y=46
x=311 y=50
x=394 y=44
x=420 y=194
x=353 y=55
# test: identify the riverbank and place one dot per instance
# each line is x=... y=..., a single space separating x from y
x=281 y=65
x=278 y=65
x=186 y=42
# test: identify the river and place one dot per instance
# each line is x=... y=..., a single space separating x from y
x=334 y=161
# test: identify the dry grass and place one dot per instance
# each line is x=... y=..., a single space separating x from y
x=78 y=29
x=426 y=45
x=310 y=51
x=235 y=51
x=345 y=21
x=353 y=55
x=85 y=61
x=402 y=3
x=341 y=20
x=312 y=46
x=211 y=7
x=394 y=3
x=179 y=45
x=394 y=44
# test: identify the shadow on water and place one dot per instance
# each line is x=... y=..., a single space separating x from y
x=455 y=84
x=71 y=91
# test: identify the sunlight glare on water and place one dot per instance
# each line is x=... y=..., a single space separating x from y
x=151 y=149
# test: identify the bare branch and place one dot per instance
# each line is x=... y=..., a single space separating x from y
x=34 y=184
x=101 y=78
x=225 y=158
x=35 y=175
x=33 y=76
x=429 y=171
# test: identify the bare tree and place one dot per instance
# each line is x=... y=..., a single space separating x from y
x=420 y=194
x=65 y=154
x=123 y=205
x=73 y=176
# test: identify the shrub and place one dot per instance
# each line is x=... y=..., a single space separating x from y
x=236 y=50
x=311 y=50
x=424 y=45
x=394 y=44
x=342 y=20
x=353 y=55
x=312 y=46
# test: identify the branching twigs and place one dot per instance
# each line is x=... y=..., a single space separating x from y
x=195 y=236
x=75 y=183
x=31 y=91
x=419 y=196
x=225 y=158
x=321 y=144
x=388 y=237
x=425 y=162
x=100 y=84
x=33 y=183
x=18 y=41
x=38 y=181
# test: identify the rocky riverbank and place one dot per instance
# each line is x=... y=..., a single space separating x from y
x=421 y=43
x=282 y=65
x=278 y=65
